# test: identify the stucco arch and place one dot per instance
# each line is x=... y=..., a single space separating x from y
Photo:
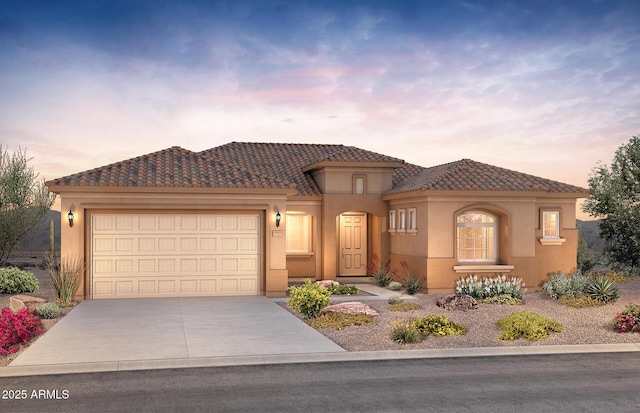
x=503 y=225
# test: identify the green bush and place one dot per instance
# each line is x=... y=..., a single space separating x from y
x=48 y=310
x=395 y=286
x=502 y=299
x=394 y=299
x=560 y=285
x=309 y=299
x=579 y=301
x=438 y=326
x=527 y=324
x=16 y=281
x=404 y=333
x=618 y=277
x=404 y=307
x=338 y=321
x=343 y=289
x=603 y=290
x=490 y=286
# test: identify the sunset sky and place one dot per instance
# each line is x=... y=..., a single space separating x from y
x=543 y=87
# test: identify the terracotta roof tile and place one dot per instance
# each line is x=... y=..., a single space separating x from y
x=282 y=165
x=469 y=175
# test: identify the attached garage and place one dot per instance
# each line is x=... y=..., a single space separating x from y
x=174 y=255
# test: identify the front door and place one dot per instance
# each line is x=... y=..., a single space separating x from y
x=353 y=244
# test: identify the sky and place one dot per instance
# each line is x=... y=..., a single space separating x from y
x=549 y=88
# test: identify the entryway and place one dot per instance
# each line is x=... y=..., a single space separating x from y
x=353 y=244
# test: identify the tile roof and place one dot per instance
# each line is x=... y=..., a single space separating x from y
x=469 y=175
x=282 y=166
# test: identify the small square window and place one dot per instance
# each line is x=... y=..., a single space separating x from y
x=550 y=224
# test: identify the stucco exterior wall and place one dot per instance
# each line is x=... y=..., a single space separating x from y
x=432 y=250
x=75 y=240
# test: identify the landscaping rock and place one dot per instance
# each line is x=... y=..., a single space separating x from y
x=18 y=302
x=326 y=283
x=353 y=307
x=459 y=302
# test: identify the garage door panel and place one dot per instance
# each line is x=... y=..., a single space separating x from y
x=148 y=255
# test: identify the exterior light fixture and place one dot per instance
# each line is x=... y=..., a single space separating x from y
x=70 y=218
x=278 y=217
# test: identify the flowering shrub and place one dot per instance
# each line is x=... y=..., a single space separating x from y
x=382 y=273
x=16 y=329
x=560 y=285
x=490 y=286
x=411 y=280
x=438 y=326
x=527 y=324
x=628 y=320
x=309 y=299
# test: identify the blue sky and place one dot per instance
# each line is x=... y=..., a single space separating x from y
x=543 y=87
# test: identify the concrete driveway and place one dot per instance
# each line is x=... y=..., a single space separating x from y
x=173 y=328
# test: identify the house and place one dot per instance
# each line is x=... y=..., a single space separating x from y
x=244 y=218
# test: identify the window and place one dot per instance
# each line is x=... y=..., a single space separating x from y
x=358 y=185
x=392 y=220
x=402 y=224
x=477 y=237
x=550 y=224
x=298 y=233
x=413 y=216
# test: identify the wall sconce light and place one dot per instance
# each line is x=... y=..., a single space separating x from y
x=278 y=217
x=70 y=218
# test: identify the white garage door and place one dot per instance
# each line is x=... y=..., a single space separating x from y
x=162 y=255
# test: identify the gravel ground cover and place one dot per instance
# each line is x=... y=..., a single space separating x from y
x=581 y=325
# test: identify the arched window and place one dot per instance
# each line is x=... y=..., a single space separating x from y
x=477 y=237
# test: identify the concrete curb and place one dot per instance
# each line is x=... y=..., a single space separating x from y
x=135 y=365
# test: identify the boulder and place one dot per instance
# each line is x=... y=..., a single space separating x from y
x=352 y=307
x=18 y=302
x=326 y=283
x=457 y=302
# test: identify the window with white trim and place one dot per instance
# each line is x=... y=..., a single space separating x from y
x=413 y=219
x=359 y=184
x=298 y=233
x=477 y=237
x=550 y=224
x=392 y=220
x=402 y=223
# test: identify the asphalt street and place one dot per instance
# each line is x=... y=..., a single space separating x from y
x=603 y=382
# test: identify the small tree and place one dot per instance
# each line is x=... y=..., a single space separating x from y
x=23 y=199
x=615 y=198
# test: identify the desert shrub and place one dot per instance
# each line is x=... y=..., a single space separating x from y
x=65 y=277
x=527 y=324
x=490 y=286
x=343 y=289
x=618 y=277
x=502 y=299
x=48 y=310
x=404 y=307
x=438 y=326
x=338 y=321
x=308 y=299
x=579 y=301
x=395 y=286
x=16 y=281
x=603 y=290
x=404 y=333
x=560 y=285
x=411 y=280
x=382 y=273
x=16 y=329
x=628 y=320
x=394 y=299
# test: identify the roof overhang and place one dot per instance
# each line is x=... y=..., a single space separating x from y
x=73 y=189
